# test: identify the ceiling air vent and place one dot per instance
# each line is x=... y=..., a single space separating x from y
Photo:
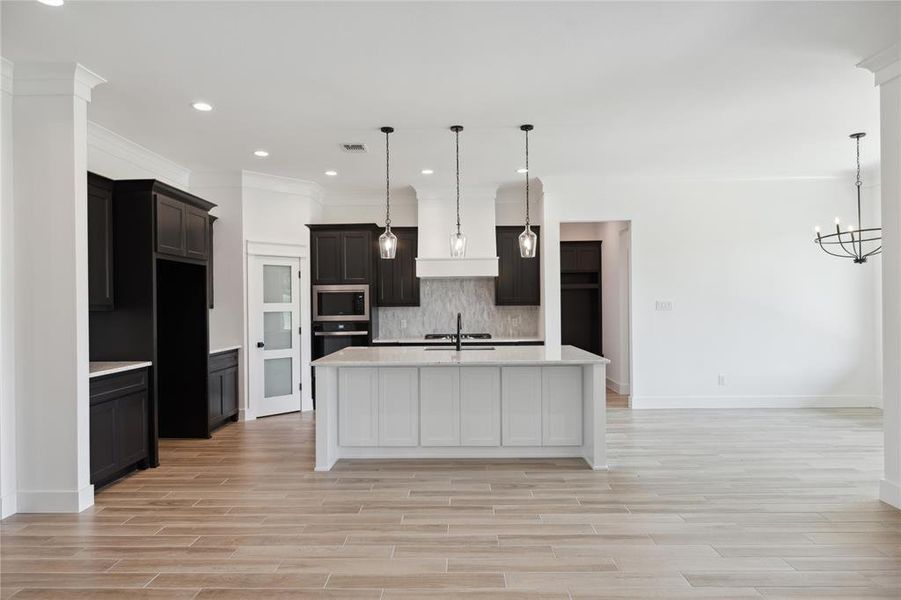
x=354 y=148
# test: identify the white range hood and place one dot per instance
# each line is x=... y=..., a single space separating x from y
x=437 y=220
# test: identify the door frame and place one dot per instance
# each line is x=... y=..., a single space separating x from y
x=254 y=249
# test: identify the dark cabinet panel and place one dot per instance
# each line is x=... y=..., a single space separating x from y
x=342 y=254
x=104 y=459
x=580 y=257
x=209 y=267
x=170 y=226
x=223 y=387
x=397 y=281
x=519 y=279
x=119 y=415
x=100 y=243
x=326 y=257
x=356 y=256
x=197 y=233
x=131 y=423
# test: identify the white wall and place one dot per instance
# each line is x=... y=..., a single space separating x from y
x=614 y=292
x=7 y=300
x=277 y=210
x=754 y=299
x=369 y=207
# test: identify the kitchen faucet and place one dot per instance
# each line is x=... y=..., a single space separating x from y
x=459 y=332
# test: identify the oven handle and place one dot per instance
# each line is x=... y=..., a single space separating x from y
x=338 y=333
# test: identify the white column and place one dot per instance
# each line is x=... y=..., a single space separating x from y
x=887 y=67
x=50 y=189
x=7 y=304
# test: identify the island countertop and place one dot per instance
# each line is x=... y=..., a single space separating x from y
x=405 y=356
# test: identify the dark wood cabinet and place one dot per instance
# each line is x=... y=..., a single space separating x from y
x=223 y=384
x=161 y=247
x=342 y=254
x=397 y=281
x=170 y=226
x=209 y=268
x=518 y=281
x=580 y=257
x=100 y=243
x=119 y=416
x=580 y=295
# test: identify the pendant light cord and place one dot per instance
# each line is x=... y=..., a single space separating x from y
x=387 y=183
x=527 y=178
x=859 y=223
x=457 y=138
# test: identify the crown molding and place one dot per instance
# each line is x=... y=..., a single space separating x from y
x=7 y=73
x=55 y=79
x=282 y=185
x=101 y=139
x=885 y=64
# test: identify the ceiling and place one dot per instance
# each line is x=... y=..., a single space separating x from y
x=746 y=90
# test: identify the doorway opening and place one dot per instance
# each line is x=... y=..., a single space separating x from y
x=595 y=297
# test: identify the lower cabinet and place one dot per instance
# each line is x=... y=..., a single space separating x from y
x=521 y=406
x=119 y=424
x=468 y=406
x=223 y=388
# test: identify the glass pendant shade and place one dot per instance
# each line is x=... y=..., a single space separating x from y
x=528 y=242
x=457 y=245
x=387 y=244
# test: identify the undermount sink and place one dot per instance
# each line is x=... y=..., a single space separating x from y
x=452 y=349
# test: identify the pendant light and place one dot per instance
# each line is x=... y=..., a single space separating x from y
x=857 y=243
x=528 y=241
x=387 y=241
x=457 y=239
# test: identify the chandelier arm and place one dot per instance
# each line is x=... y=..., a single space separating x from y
x=834 y=254
x=842 y=244
x=874 y=252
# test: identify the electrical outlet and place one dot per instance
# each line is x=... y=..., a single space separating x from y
x=664 y=305
x=721 y=379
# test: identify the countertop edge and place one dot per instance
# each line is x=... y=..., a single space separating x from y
x=121 y=367
x=225 y=349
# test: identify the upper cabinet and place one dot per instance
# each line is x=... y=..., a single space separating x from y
x=342 y=254
x=181 y=229
x=519 y=279
x=397 y=282
x=580 y=258
x=100 y=243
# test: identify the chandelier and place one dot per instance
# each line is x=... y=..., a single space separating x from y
x=857 y=243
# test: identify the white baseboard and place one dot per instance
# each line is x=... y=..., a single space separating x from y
x=64 y=501
x=620 y=388
x=649 y=402
x=890 y=493
x=8 y=505
x=246 y=415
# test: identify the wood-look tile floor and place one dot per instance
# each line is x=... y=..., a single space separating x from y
x=726 y=504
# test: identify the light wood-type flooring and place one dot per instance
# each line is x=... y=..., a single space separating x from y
x=724 y=504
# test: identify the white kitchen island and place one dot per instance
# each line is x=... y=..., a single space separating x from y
x=416 y=402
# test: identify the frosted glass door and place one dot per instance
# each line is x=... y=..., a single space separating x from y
x=275 y=314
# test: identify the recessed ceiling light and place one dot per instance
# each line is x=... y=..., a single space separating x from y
x=203 y=106
x=331 y=173
x=522 y=171
x=52 y=2
x=427 y=171
x=261 y=153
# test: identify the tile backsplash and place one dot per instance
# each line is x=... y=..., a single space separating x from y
x=442 y=299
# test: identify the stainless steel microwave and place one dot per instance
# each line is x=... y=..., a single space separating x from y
x=340 y=302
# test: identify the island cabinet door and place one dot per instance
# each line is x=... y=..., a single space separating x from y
x=358 y=407
x=561 y=406
x=439 y=403
x=399 y=406
x=521 y=406
x=480 y=406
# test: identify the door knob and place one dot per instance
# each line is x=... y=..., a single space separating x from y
x=260 y=345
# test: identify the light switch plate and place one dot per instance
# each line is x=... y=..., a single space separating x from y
x=664 y=305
